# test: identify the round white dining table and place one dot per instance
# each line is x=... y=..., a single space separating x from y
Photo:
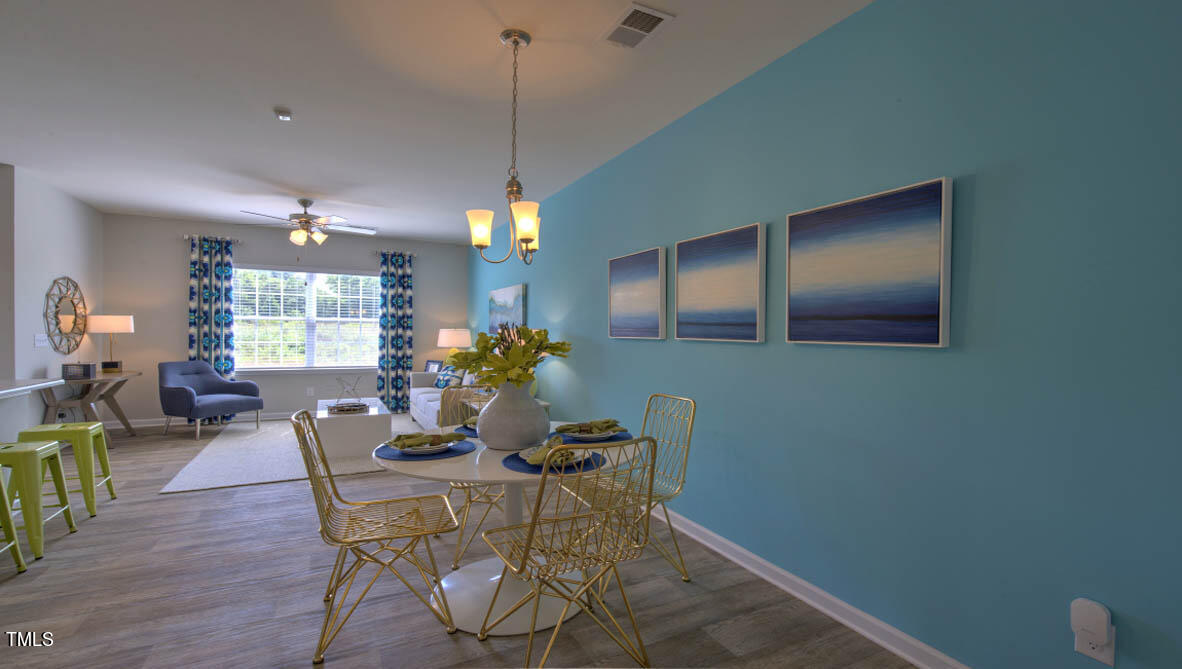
x=470 y=588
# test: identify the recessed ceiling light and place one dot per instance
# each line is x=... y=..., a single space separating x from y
x=283 y=113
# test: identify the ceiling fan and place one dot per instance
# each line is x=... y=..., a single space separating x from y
x=305 y=225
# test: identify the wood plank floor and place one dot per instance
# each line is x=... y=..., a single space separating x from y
x=234 y=577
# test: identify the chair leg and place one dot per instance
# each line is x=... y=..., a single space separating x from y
x=197 y=434
x=167 y=422
x=643 y=659
x=533 y=623
x=455 y=561
x=483 y=633
x=104 y=461
x=680 y=564
x=258 y=418
x=336 y=571
x=28 y=490
x=84 y=460
x=9 y=528
x=59 y=485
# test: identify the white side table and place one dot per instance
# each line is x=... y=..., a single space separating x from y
x=349 y=436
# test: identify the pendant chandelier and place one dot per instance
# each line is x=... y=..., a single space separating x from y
x=524 y=224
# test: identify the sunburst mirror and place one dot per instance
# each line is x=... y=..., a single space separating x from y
x=65 y=315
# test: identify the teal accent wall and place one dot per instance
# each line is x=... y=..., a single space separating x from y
x=963 y=495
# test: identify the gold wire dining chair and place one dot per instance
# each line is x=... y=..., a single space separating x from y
x=669 y=420
x=453 y=410
x=366 y=530
x=586 y=520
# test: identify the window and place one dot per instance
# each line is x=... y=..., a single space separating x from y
x=304 y=319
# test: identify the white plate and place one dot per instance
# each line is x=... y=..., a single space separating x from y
x=426 y=450
x=591 y=436
x=527 y=452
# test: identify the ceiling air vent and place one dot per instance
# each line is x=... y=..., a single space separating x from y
x=636 y=25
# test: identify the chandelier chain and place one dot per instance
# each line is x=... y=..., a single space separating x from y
x=513 y=162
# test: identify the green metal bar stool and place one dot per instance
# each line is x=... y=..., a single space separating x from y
x=28 y=460
x=90 y=444
x=8 y=526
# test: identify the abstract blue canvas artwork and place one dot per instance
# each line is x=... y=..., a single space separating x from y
x=872 y=270
x=506 y=306
x=720 y=286
x=636 y=295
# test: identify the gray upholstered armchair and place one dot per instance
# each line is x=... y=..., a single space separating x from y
x=195 y=391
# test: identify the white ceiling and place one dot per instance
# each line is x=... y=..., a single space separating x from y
x=163 y=107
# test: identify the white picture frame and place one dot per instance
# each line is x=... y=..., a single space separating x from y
x=942 y=260
x=660 y=305
x=748 y=284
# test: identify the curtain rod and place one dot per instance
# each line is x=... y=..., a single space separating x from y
x=236 y=241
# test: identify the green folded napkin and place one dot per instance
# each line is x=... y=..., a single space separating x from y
x=471 y=422
x=591 y=427
x=538 y=457
x=416 y=439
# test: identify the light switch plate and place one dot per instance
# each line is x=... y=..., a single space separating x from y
x=40 y=341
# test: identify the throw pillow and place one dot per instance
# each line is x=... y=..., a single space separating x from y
x=449 y=376
x=469 y=379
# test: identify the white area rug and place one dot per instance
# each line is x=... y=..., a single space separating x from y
x=241 y=455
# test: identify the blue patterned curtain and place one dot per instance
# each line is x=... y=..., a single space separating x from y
x=211 y=303
x=396 y=348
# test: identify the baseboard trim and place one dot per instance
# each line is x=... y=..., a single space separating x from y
x=902 y=644
x=180 y=422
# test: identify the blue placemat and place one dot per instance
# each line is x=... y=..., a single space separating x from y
x=518 y=464
x=459 y=448
x=568 y=439
x=464 y=429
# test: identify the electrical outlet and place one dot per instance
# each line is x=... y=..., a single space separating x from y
x=1092 y=649
x=311 y=391
x=1095 y=635
x=40 y=341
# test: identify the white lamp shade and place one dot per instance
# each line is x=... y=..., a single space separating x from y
x=525 y=214
x=480 y=226
x=318 y=237
x=454 y=338
x=299 y=236
x=537 y=242
x=101 y=324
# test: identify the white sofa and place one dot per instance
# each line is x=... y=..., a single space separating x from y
x=424 y=398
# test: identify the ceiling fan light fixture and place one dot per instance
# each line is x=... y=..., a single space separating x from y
x=299 y=236
x=318 y=237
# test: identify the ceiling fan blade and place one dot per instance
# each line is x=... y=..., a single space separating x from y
x=329 y=220
x=255 y=213
x=353 y=229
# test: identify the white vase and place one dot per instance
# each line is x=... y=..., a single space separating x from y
x=512 y=420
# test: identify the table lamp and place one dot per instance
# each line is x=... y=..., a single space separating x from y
x=110 y=326
x=454 y=339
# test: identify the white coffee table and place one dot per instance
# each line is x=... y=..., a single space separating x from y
x=349 y=436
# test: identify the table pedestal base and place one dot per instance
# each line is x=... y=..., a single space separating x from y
x=470 y=589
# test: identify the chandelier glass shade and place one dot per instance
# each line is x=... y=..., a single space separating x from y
x=524 y=223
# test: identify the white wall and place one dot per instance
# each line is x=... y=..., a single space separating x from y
x=55 y=235
x=7 y=285
x=44 y=234
x=146 y=275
